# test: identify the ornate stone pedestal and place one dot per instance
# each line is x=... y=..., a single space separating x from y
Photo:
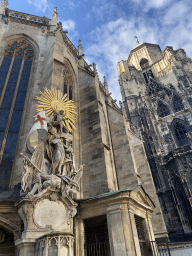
x=48 y=225
x=55 y=244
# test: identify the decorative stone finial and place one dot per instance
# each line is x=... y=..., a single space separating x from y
x=54 y=18
x=94 y=68
x=80 y=48
x=106 y=85
x=3 y=6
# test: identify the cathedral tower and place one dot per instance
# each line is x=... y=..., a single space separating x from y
x=156 y=92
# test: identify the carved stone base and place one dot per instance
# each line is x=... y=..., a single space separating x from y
x=48 y=225
x=53 y=244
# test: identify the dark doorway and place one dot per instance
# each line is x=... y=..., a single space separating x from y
x=142 y=236
x=7 y=246
x=96 y=237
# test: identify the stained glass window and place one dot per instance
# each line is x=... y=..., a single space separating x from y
x=177 y=103
x=180 y=133
x=18 y=57
x=162 y=109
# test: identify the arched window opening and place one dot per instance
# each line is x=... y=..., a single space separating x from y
x=180 y=133
x=144 y=63
x=68 y=80
x=14 y=77
x=147 y=75
x=190 y=102
x=162 y=109
x=68 y=90
x=177 y=103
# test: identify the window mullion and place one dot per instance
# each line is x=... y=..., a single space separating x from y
x=68 y=91
x=11 y=110
x=6 y=81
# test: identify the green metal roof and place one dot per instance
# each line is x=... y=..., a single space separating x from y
x=108 y=194
x=137 y=45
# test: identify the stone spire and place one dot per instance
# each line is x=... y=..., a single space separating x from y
x=80 y=48
x=106 y=85
x=54 y=18
x=3 y=6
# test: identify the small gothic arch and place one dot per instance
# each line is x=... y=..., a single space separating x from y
x=53 y=247
x=177 y=103
x=144 y=63
x=162 y=109
x=180 y=131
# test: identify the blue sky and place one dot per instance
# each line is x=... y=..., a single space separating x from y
x=107 y=27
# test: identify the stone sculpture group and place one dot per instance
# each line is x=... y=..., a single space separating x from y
x=51 y=166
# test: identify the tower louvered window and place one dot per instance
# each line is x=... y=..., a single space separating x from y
x=177 y=103
x=162 y=109
x=15 y=68
x=144 y=63
x=180 y=133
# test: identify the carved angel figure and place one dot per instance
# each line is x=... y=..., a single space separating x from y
x=58 y=120
x=70 y=184
x=31 y=178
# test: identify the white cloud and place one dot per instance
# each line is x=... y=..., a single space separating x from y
x=68 y=25
x=40 y=4
x=146 y=5
x=175 y=13
x=103 y=9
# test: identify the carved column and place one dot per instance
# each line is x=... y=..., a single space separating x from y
x=121 y=231
x=80 y=237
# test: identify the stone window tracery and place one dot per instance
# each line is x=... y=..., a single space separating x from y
x=15 y=68
x=162 y=109
x=177 y=103
x=180 y=133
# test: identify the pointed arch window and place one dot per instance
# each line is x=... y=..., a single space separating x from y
x=180 y=133
x=68 y=80
x=15 y=68
x=162 y=109
x=177 y=103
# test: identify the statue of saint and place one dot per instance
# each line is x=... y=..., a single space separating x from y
x=58 y=154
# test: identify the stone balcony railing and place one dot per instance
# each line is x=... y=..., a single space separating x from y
x=27 y=17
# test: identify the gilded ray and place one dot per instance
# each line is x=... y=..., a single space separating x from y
x=53 y=99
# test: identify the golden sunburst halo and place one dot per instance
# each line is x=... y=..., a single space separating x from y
x=51 y=100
